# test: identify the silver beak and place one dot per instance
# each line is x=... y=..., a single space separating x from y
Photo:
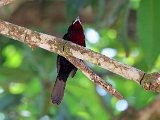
x=77 y=19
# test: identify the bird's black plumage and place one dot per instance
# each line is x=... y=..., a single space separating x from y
x=64 y=67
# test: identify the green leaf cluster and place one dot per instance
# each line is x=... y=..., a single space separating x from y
x=27 y=76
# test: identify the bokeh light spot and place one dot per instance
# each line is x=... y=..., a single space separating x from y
x=122 y=105
x=16 y=88
x=2 y=116
x=1 y=90
x=45 y=117
x=13 y=56
x=92 y=35
x=25 y=113
x=109 y=52
x=101 y=91
x=135 y=53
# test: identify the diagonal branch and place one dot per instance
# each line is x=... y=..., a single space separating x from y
x=63 y=48
x=44 y=41
x=5 y=2
x=93 y=77
x=104 y=62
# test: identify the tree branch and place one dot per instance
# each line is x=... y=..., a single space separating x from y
x=104 y=62
x=34 y=39
x=65 y=48
x=93 y=77
x=5 y=2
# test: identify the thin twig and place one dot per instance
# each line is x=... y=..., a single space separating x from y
x=93 y=77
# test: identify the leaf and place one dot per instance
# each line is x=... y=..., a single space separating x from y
x=123 y=32
x=148 y=27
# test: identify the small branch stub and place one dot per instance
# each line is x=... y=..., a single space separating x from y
x=151 y=82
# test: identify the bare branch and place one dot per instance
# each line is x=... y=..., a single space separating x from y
x=93 y=77
x=64 y=48
x=151 y=82
x=5 y=2
x=55 y=45
x=104 y=62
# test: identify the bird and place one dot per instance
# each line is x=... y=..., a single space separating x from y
x=75 y=34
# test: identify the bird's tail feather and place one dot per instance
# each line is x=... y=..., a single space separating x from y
x=58 y=91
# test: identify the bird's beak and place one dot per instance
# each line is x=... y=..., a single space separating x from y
x=77 y=19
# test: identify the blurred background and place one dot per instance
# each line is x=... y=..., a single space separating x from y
x=125 y=30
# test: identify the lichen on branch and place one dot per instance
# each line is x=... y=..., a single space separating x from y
x=66 y=48
x=93 y=77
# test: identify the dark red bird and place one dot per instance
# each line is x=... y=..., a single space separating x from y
x=65 y=69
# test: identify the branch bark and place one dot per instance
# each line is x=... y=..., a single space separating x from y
x=34 y=39
x=66 y=48
x=5 y=2
x=93 y=77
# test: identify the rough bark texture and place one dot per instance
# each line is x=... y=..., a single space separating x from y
x=151 y=82
x=93 y=77
x=62 y=47
x=52 y=44
x=105 y=62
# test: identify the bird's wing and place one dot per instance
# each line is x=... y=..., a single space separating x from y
x=58 y=63
x=73 y=72
x=65 y=37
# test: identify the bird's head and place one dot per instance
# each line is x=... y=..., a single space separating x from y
x=76 y=25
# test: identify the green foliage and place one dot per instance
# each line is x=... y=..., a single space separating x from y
x=27 y=76
x=148 y=30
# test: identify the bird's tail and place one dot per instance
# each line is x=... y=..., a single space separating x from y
x=58 y=91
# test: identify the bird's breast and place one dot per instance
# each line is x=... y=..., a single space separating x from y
x=78 y=38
